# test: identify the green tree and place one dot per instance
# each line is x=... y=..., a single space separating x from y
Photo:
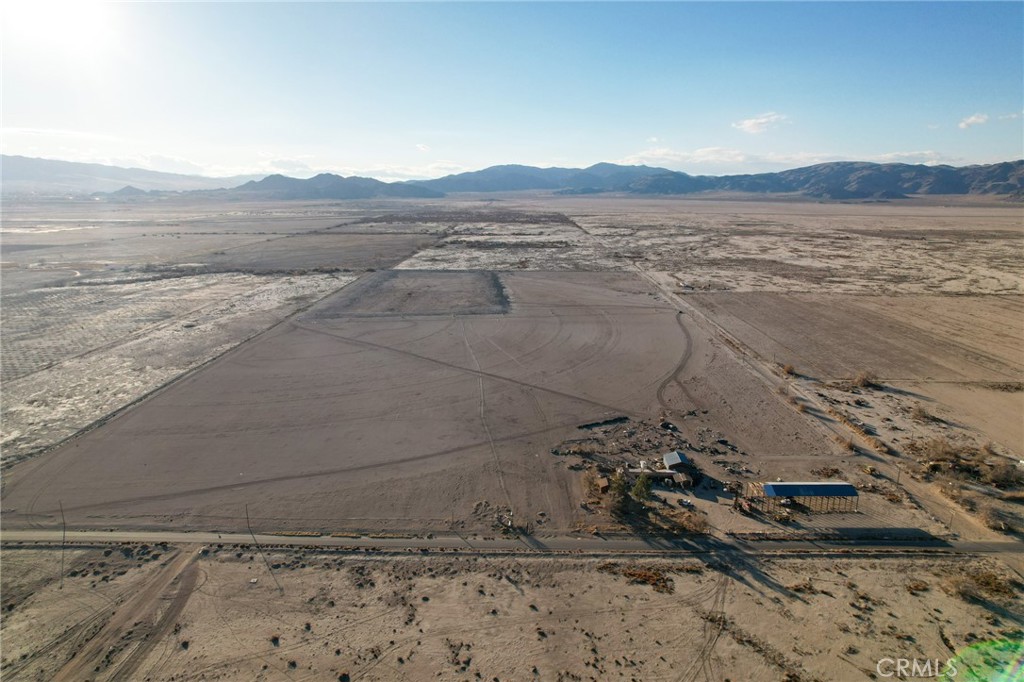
x=617 y=493
x=642 y=488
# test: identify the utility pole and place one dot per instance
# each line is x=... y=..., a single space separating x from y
x=256 y=542
x=63 y=538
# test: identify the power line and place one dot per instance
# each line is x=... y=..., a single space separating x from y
x=260 y=549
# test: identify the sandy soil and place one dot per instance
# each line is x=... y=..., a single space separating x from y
x=472 y=405
x=472 y=341
x=170 y=613
x=73 y=355
x=536 y=349
x=925 y=345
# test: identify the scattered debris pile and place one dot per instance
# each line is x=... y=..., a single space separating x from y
x=641 y=575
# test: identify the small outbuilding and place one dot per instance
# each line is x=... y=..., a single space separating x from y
x=676 y=461
x=819 y=496
x=683 y=480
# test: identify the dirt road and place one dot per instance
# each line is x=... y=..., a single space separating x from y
x=137 y=624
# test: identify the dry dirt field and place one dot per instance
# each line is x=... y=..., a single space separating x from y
x=152 y=612
x=467 y=366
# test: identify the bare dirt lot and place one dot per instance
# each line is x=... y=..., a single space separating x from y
x=175 y=613
x=468 y=367
x=336 y=421
x=456 y=372
x=411 y=292
x=925 y=345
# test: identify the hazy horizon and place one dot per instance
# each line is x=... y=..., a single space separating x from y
x=417 y=91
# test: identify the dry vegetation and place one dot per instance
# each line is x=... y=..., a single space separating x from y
x=356 y=615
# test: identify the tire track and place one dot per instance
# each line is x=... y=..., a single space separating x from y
x=483 y=418
x=302 y=476
x=673 y=377
x=134 y=610
x=186 y=585
x=714 y=625
x=490 y=375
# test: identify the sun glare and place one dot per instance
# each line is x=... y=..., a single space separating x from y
x=64 y=31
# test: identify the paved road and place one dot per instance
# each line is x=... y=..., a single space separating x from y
x=585 y=544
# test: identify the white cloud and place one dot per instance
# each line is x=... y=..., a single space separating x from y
x=423 y=148
x=289 y=165
x=652 y=140
x=425 y=172
x=156 y=162
x=927 y=158
x=58 y=132
x=976 y=119
x=724 y=159
x=761 y=123
x=1009 y=117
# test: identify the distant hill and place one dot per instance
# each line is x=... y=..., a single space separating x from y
x=839 y=180
x=511 y=178
x=858 y=180
x=25 y=175
x=328 y=186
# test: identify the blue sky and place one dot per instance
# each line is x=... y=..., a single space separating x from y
x=420 y=90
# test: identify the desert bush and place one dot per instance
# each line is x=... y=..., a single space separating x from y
x=982 y=584
x=935 y=449
x=1004 y=476
x=964 y=587
x=789 y=370
x=693 y=522
x=590 y=482
x=996 y=520
x=844 y=443
x=955 y=492
x=878 y=445
x=1008 y=386
x=920 y=414
x=804 y=587
x=865 y=380
x=915 y=586
x=992 y=583
x=640 y=575
x=966 y=462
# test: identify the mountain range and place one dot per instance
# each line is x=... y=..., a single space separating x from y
x=27 y=175
x=839 y=180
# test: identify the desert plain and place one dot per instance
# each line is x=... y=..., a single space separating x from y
x=362 y=440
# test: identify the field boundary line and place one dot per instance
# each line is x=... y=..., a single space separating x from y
x=4 y=466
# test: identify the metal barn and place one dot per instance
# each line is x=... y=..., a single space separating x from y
x=820 y=497
x=676 y=461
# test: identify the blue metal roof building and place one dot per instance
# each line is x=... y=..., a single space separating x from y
x=823 y=489
x=815 y=496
